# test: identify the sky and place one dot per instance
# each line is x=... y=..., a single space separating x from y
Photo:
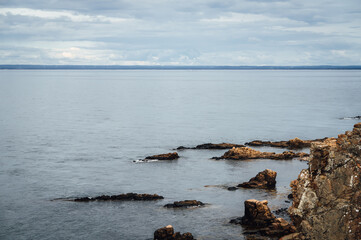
x=167 y=32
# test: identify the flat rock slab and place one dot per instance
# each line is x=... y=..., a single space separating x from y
x=184 y=204
x=121 y=197
x=243 y=153
x=295 y=143
x=212 y=146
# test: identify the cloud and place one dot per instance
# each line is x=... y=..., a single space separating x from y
x=49 y=15
x=169 y=32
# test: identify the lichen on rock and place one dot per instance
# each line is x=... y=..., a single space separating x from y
x=327 y=195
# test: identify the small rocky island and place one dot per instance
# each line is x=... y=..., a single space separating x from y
x=166 y=156
x=265 y=179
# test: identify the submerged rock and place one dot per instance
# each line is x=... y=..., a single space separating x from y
x=166 y=156
x=184 y=204
x=295 y=143
x=121 y=197
x=167 y=233
x=259 y=217
x=231 y=188
x=327 y=195
x=265 y=179
x=243 y=153
x=212 y=146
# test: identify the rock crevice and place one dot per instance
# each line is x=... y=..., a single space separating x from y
x=327 y=195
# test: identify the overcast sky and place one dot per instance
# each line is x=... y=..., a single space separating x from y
x=198 y=32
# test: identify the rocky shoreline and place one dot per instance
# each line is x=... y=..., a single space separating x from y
x=326 y=197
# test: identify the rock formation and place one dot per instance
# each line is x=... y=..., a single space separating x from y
x=121 y=197
x=184 y=204
x=212 y=146
x=166 y=156
x=327 y=195
x=167 y=233
x=242 y=153
x=295 y=143
x=258 y=216
x=265 y=179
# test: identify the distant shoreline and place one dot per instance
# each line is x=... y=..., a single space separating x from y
x=157 y=67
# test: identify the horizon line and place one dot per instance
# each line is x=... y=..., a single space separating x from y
x=174 y=67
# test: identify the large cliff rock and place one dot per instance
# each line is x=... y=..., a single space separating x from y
x=327 y=195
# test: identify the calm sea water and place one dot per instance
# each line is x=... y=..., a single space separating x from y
x=77 y=133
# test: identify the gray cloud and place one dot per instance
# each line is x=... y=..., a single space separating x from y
x=171 y=32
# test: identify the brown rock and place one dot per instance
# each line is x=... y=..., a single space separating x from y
x=166 y=156
x=258 y=216
x=295 y=143
x=327 y=195
x=167 y=233
x=121 y=197
x=184 y=204
x=242 y=153
x=265 y=179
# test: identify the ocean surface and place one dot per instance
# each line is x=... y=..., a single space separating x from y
x=76 y=133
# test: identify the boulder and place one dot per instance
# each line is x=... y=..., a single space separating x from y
x=121 y=197
x=167 y=233
x=265 y=179
x=327 y=195
x=184 y=204
x=259 y=217
x=242 y=153
x=166 y=156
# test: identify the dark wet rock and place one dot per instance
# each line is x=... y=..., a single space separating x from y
x=295 y=143
x=167 y=233
x=184 y=204
x=121 y=197
x=281 y=212
x=259 y=217
x=348 y=118
x=166 y=156
x=327 y=195
x=232 y=188
x=212 y=146
x=265 y=179
x=290 y=196
x=242 y=153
